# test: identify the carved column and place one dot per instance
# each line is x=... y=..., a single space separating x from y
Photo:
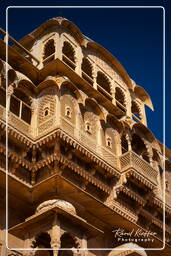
x=113 y=95
x=117 y=139
x=34 y=117
x=128 y=105
x=55 y=235
x=57 y=48
x=84 y=245
x=128 y=138
x=10 y=91
x=149 y=152
x=78 y=61
x=143 y=116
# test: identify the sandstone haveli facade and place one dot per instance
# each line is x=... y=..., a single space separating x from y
x=82 y=161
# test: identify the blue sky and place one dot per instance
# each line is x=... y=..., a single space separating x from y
x=133 y=36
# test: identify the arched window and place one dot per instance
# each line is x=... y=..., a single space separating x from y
x=46 y=111
x=20 y=105
x=49 y=50
x=103 y=85
x=139 y=147
x=68 y=111
x=68 y=241
x=120 y=99
x=135 y=111
x=68 y=54
x=109 y=142
x=87 y=70
x=124 y=144
x=88 y=127
x=42 y=240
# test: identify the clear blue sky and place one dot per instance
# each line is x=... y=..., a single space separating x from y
x=133 y=36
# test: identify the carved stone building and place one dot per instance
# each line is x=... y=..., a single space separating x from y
x=82 y=163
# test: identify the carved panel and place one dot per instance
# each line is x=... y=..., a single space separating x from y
x=106 y=66
x=68 y=107
x=46 y=105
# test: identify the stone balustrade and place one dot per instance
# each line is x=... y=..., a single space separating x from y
x=131 y=160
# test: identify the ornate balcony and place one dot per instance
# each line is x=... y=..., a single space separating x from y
x=130 y=160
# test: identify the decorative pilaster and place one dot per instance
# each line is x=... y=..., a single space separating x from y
x=34 y=117
x=128 y=138
x=143 y=115
x=84 y=245
x=94 y=75
x=10 y=91
x=78 y=61
x=112 y=90
x=128 y=105
x=55 y=235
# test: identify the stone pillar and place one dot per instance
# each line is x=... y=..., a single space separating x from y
x=94 y=75
x=113 y=95
x=10 y=91
x=34 y=118
x=55 y=235
x=128 y=105
x=84 y=245
x=149 y=152
x=60 y=45
x=128 y=138
x=143 y=115
x=57 y=48
x=118 y=149
x=78 y=61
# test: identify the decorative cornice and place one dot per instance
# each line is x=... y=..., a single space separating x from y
x=138 y=176
x=133 y=195
x=125 y=212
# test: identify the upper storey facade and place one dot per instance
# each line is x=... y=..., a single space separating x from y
x=74 y=112
x=66 y=81
x=60 y=40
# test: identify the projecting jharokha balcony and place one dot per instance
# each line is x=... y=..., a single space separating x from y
x=130 y=160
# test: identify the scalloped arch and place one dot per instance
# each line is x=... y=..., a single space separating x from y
x=81 y=39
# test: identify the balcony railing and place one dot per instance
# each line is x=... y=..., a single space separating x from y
x=89 y=142
x=15 y=121
x=126 y=161
x=47 y=60
x=87 y=78
x=68 y=61
x=132 y=160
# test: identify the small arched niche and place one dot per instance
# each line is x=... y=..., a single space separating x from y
x=69 y=101
x=110 y=135
x=91 y=115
